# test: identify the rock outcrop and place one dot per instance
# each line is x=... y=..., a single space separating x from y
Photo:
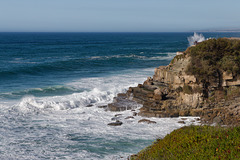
x=170 y=93
x=173 y=92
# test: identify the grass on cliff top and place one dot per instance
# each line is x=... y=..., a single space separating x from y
x=214 y=56
x=195 y=142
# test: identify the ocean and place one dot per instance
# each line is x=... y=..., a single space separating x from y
x=51 y=85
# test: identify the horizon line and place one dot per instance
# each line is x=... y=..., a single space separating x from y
x=116 y=31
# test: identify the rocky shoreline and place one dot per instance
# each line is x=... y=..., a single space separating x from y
x=173 y=92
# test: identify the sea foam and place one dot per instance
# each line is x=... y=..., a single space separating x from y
x=195 y=38
x=63 y=127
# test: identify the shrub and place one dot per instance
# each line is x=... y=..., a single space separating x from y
x=210 y=58
x=187 y=89
x=195 y=142
x=177 y=57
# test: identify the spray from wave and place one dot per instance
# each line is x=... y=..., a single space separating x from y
x=195 y=38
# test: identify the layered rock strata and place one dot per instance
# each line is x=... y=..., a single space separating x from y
x=171 y=92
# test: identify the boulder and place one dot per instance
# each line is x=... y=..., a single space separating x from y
x=117 y=123
x=134 y=113
x=182 y=122
x=129 y=117
x=146 y=121
x=104 y=106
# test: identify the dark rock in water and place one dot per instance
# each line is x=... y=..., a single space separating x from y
x=118 y=115
x=104 y=106
x=115 y=118
x=134 y=156
x=134 y=113
x=182 y=122
x=122 y=95
x=117 y=106
x=121 y=103
x=146 y=121
x=129 y=117
x=117 y=123
x=184 y=119
x=197 y=119
x=90 y=105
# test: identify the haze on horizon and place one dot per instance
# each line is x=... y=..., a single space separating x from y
x=118 y=16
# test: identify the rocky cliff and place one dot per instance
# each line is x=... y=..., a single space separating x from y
x=201 y=81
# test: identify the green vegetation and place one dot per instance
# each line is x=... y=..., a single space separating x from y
x=232 y=92
x=179 y=89
x=195 y=142
x=187 y=89
x=227 y=93
x=210 y=58
x=177 y=57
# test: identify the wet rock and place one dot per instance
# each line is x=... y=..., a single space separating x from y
x=121 y=103
x=117 y=123
x=115 y=118
x=118 y=115
x=197 y=119
x=149 y=81
x=90 y=105
x=129 y=117
x=182 y=122
x=134 y=113
x=146 y=121
x=104 y=106
x=134 y=156
x=184 y=119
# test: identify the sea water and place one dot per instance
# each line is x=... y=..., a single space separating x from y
x=51 y=85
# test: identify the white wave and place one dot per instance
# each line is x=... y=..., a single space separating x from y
x=63 y=127
x=169 y=56
x=117 y=56
x=98 y=90
x=195 y=38
x=135 y=56
x=21 y=62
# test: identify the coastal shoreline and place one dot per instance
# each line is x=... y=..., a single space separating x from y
x=173 y=92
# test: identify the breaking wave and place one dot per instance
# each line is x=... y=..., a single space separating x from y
x=195 y=38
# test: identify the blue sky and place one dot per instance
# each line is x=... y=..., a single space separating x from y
x=118 y=15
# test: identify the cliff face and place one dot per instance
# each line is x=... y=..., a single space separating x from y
x=170 y=93
x=178 y=90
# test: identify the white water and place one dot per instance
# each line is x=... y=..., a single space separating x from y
x=195 y=38
x=169 y=56
x=62 y=127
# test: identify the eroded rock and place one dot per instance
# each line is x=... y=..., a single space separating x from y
x=173 y=92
